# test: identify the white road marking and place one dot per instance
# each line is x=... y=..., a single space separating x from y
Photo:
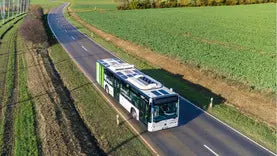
x=205 y=112
x=65 y=30
x=211 y=150
x=72 y=37
x=84 y=48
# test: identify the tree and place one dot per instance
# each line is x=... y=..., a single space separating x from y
x=32 y=29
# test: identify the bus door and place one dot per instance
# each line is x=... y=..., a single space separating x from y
x=116 y=89
x=143 y=111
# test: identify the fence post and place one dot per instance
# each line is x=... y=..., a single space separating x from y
x=211 y=103
x=117 y=120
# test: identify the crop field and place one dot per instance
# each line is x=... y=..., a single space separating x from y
x=83 y=5
x=237 y=42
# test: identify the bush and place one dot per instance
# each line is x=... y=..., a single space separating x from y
x=35 y=11
x=231 y=2
x=211 y=2
x=32 y=29
x=145 y=4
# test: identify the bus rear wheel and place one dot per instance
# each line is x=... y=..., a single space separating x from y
x=133 y=113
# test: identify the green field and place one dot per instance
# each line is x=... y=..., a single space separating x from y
x=89 y=5
x=235 y=41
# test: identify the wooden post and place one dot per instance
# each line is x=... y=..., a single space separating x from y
x=211 y=103
x=117 y=120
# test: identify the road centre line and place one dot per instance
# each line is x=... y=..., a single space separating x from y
x=211 y=150
x=84 y=48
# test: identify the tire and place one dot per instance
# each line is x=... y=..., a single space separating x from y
x=107 y=89
x=133 y=113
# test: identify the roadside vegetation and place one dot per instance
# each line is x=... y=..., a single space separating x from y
x=246 y=124
x=26 y=139
x=8 y=94
x=145 y=4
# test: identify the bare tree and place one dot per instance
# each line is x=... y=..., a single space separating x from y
x=32 y=29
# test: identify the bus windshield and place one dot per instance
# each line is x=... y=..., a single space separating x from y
x=165 y=108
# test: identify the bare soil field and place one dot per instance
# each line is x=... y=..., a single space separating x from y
x=262 y=106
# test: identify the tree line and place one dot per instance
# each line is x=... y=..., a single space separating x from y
x=145 y=4
x=12 y=8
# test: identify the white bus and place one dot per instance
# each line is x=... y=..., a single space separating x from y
x=145 y=98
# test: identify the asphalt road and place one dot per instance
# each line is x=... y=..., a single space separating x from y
x=198 y=133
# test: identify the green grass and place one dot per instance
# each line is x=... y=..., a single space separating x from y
x=8 y=47
x=90 y=5
x=235 y=41
x=47 y=4
x=26 y=141
x=8 y=25
x=245 y=124
x=24 y=119
x=96 y=113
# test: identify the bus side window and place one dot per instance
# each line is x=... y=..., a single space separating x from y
x=135 y=99
x=125 y=90
x=109 y=77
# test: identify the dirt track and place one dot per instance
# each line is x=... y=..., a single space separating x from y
x=61 y=129
x=251 y=102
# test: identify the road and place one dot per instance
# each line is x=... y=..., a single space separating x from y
x=198 y=132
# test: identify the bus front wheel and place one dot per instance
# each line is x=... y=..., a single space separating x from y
x=107 y=89
x=133 y=113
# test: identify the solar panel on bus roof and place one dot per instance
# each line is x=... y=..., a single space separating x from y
x=163 y=91
x=119 y=73
x=123 y=77
x=156 y=93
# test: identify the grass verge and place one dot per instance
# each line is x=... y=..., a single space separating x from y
x=256 y=130
x=9 y=47
x=26 y=141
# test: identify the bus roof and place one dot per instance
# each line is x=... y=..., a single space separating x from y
x=144 y=83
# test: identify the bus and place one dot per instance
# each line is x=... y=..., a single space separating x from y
x=146 y=99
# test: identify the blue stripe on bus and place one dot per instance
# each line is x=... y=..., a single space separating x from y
x=123 y=77
x=156 y=93
x=136 y=71
x=119 y=73
x=163 y=91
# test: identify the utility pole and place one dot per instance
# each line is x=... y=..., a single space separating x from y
x=3 y=13
x=13 y=9
x=9 y=6
x=17 y=11
x=20 y=7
